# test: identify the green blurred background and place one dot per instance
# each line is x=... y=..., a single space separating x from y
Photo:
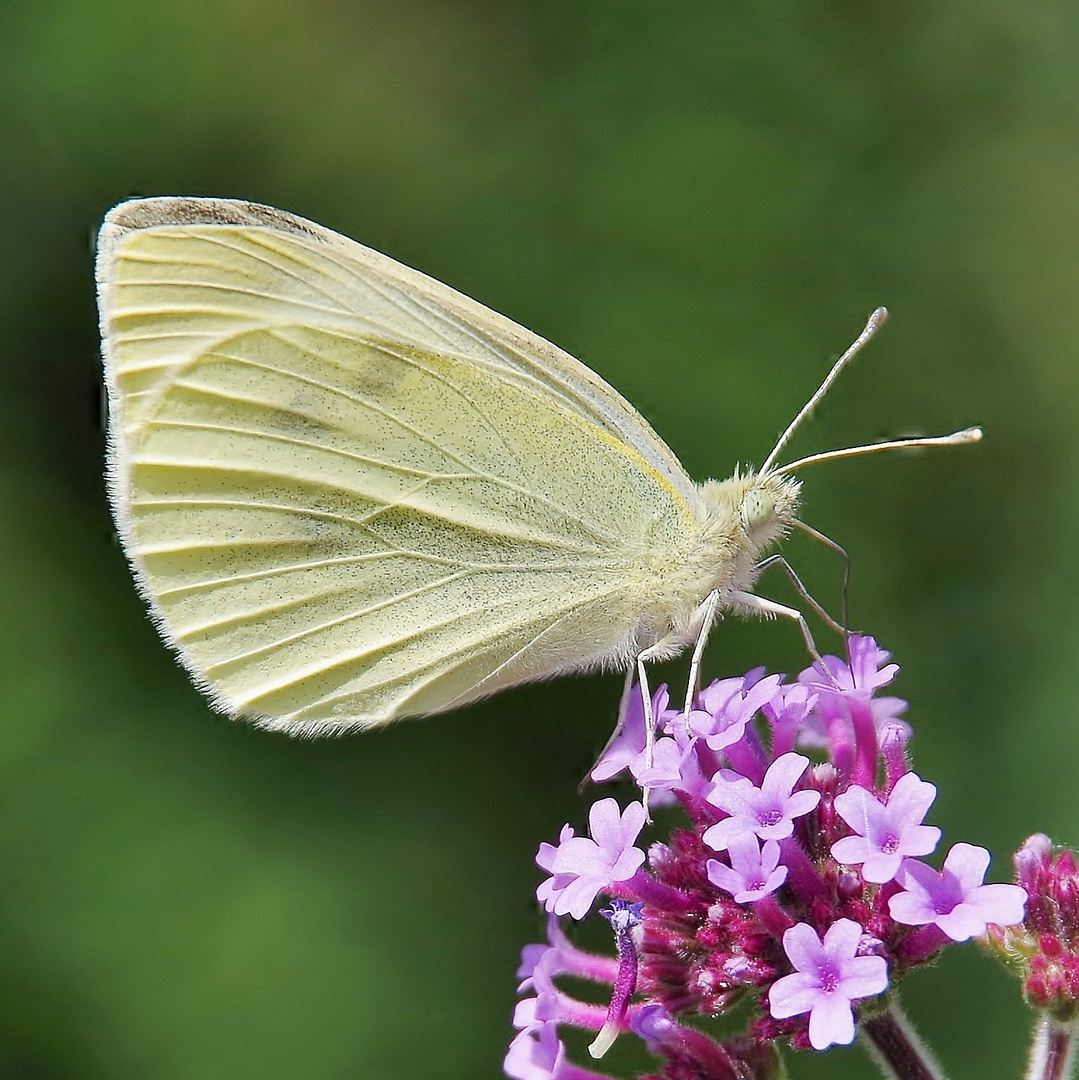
x=701 y=199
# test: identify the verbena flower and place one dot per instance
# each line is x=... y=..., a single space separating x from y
x=754 y=871
x=955 y=898
x=767 y=811
x=829 y=975
x=728 y=705
x=888 y=832
x=792 y=887
x=581 y=866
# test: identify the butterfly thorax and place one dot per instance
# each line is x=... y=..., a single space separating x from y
x=738 y=521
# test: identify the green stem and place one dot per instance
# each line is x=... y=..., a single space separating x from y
x=1052 y=1050
x=895 y=1047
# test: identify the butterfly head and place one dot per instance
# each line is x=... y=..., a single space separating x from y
x=756 y=509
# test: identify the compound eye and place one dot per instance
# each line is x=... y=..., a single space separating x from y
x=757 y=509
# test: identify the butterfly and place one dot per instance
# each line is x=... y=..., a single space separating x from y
x=351 y=494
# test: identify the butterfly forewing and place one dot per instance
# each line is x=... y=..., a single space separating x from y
x=203 y=268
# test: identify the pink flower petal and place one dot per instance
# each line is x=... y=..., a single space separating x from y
x=578 y=855
x=911 y=799
x=864 y=976
x=851 y=850
x=577 y=897
x=803 y=947
x=920 y=840
x=831 y=1021
x=783 y=774
x=604 y=823
x=723 y=877
x=879 y=868
x=718 y=836
x=917 y=877
x=1001 y=904
x=968 y=863
x=626 y=865
x=961 y=923
x=859 y=809
x=911 y=909
x=801 y=802
x=793 y=995
x=841 y=940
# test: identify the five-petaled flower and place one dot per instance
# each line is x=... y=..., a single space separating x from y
x=767 y=811
x=754 y=871
x=727 y=705
x=829 y=976
x=887 y=833
x=955 y=899
x=580 y=867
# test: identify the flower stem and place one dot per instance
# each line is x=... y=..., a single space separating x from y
x=895 y=1047
x=1052 y=1050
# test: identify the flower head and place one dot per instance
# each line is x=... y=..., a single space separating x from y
x=779 y=922
x=886 y=832
x=829 y=976
x=955 y=899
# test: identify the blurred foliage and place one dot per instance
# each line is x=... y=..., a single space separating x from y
x=703 y=200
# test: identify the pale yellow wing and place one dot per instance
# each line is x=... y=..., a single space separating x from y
x=345 y=510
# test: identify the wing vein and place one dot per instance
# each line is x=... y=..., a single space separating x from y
x=287 y=440
x=300 y=635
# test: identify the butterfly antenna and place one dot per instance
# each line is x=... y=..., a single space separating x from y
x=959 y=438
x=876 y=321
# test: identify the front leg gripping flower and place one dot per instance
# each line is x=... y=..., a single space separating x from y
x=795 y=885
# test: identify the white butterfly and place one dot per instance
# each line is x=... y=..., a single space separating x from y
x=351 y=494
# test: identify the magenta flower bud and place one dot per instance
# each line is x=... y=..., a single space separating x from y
x=1032 y=859
x=893 y=736
x=1045 y=948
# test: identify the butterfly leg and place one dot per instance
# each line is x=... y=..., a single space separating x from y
x=706 y=613
x=770 y=609
x=703 y=617
x=828 y=542
x=619 y=725
x=800 y=589
x=646 y=702
x=659 y=649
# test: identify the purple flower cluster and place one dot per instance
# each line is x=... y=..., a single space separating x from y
x=798 y=884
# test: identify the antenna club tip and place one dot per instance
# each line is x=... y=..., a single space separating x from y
x=968 y=435
x=878 y=317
